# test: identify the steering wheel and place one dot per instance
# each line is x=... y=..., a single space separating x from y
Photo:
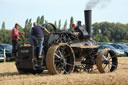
x=50 y=27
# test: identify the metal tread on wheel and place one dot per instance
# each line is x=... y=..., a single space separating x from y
x=60 y=59
x=106 y=61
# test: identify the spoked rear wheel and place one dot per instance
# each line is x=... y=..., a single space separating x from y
x=106 y=61
x=60 y=59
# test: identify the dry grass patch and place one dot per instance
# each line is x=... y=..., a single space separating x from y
x=10 y=76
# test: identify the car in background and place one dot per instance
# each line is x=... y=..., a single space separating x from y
x=121 y=46
x=117 y=51
x=126 y=44
x=102 y=43
x=1 y=57
x=8 y=51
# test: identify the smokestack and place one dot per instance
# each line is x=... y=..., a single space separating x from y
x=87 y=14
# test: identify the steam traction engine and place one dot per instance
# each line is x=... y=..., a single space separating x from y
x=66 y=52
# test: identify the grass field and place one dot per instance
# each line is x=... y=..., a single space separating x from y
x=10 y=76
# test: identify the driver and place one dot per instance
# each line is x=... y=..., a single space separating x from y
x=37 y=34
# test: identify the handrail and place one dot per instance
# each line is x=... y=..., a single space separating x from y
x=24 y=39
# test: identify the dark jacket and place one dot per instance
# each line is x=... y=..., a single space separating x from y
x=37 y=31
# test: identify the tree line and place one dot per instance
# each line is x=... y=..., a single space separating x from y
x=110 y=32
x=101 y=32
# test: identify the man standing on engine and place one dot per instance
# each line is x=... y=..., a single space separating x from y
x=15 y=37
x=38 y=35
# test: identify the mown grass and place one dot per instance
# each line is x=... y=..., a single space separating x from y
x=9 y=76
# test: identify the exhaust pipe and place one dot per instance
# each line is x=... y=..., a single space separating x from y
x=87 y=14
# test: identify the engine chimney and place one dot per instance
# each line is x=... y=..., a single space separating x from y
x=87 y=14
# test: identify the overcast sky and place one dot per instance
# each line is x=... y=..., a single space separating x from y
x=17 y=11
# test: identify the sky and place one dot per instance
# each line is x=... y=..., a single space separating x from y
x=17 y=11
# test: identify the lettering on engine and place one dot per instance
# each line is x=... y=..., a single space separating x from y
x=24 y=51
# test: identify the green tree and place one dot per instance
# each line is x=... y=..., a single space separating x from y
x=5 y=36
x=65 y=25
x=41 y=20
x=71 y=23
x=3 y=26
x=111 y=32
x=38 y=20
x=3 y=33
x=55 y=24
x=59 y=25
x=27 y=28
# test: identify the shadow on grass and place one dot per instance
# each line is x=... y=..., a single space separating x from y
x=9 y=74
x=45 y=73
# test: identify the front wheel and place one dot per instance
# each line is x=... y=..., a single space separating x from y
x=106 y=61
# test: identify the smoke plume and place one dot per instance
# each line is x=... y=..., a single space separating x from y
x=93 y=3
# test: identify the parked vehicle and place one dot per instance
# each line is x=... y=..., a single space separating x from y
x=121 y=46
x=117 y=51
x=126 y=44
x=8 y=50
x=1 y=57
x=102 y=43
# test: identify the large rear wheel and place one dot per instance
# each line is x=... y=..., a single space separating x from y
x=60 y=59
x=106 y=61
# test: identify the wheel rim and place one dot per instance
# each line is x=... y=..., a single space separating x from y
x=62 y=60
x=107 y=61
x=110 y=62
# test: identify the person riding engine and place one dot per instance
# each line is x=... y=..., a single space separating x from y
x=37 y=35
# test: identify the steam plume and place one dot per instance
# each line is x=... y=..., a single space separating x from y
x=93 y=3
